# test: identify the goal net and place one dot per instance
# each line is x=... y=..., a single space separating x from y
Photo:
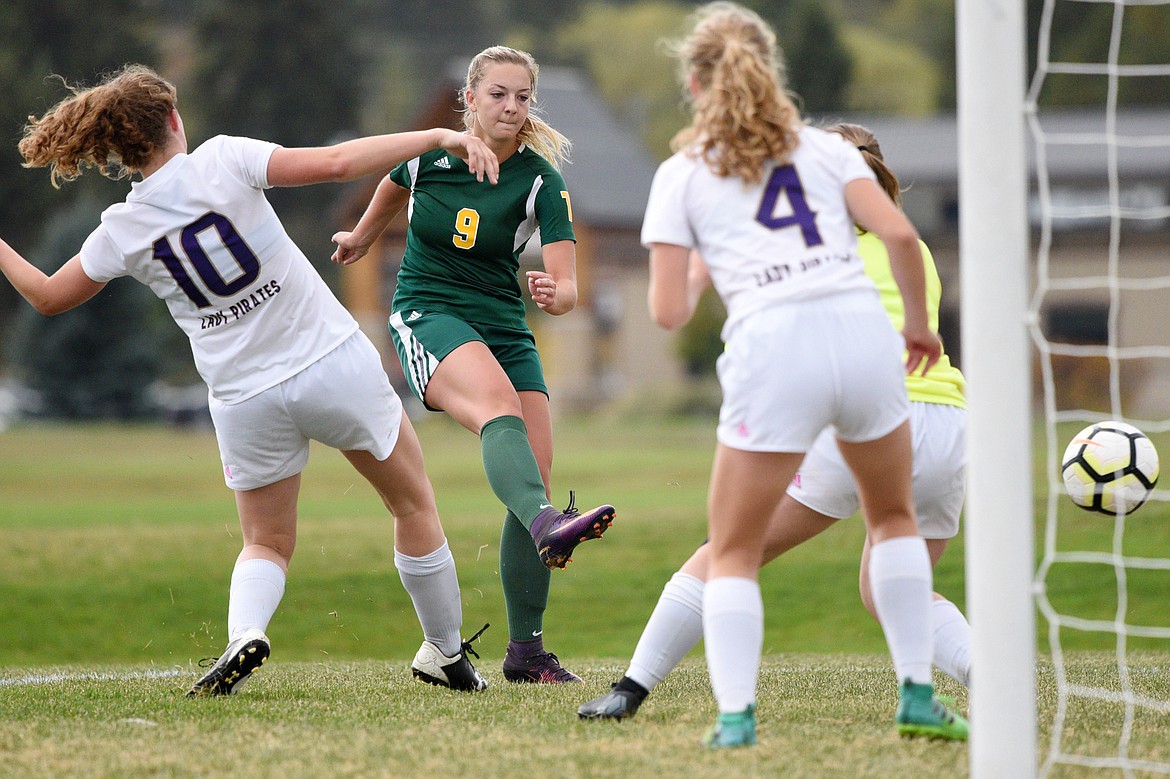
x=1071 y=291
x=1098 y=319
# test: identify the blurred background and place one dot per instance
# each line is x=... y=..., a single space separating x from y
x=309 y=72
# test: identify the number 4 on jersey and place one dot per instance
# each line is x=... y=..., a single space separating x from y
x=784 y=181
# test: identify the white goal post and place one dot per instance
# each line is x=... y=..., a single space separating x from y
x=996 y=348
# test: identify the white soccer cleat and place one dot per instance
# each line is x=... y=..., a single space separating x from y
x=456 y=672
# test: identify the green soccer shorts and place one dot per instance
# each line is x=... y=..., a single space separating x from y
x=423 y=338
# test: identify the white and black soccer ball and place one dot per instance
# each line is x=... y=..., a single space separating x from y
x=1110 y=467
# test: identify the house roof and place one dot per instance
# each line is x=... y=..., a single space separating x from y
x=1075 y=150
x=610 y=170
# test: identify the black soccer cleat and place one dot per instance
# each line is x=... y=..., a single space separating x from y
x=540 y=668
x=235 y=666
x=618 y=703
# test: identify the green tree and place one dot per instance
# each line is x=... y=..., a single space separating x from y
x=1082 y=33
x=904 y=52
x=620 y=47
x=283 y=70
x=892 y=76
x=71 y=39
x=819 y=65
x=699 y=343
x=98 y=360
x=288 y=71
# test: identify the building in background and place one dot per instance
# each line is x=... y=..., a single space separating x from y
x=1093 y=219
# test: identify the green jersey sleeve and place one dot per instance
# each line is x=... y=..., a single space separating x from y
x=401 y=173
x=554 y=209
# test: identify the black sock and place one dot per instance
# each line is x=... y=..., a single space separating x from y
x=629 y=685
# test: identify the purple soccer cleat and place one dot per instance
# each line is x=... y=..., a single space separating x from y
x=539 y=667
x=557 y=533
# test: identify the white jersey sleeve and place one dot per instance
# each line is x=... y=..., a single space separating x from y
x=250 y=158
x=666 y=210
x=100 y=258
x=200 y=233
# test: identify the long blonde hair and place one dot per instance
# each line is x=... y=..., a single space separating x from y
x=742 y=117
x=536 y=133
x=116 y=126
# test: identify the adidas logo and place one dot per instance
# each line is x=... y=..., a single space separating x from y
x=444 y=163
x=414 y=314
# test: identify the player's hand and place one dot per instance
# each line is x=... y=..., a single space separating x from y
x=349 y=250
x=923 y=348
x=481 y=160
x=542 y=287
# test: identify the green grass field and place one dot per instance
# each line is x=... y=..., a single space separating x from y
x=119 y=541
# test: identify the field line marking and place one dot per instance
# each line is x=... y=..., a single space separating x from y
x=33 y=679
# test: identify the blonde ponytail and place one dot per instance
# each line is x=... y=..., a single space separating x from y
x=742 y=117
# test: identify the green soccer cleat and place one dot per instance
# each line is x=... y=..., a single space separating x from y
x=921 y=713
x=737 y=729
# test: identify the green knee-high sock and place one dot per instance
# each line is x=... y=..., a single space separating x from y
x=511 y=468
x=525 y=580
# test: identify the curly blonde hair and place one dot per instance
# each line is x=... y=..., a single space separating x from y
x=116 y=126
x=742 y=118
x=536 y=133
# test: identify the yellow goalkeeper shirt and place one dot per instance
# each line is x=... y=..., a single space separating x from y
x=943 y=383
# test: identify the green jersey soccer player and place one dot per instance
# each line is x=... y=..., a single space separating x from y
x=458 y=323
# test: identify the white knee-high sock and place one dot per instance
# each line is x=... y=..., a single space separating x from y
x=733 y=634
x=674 y=628
x=902 y=584
x=433 y=586
x=952 y=641
x=256 y=589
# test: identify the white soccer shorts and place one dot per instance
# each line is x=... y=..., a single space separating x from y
x=825 y=484
x=793 y=369
x=344 y=400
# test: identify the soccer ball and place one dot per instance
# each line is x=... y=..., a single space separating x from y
x=1110 y=467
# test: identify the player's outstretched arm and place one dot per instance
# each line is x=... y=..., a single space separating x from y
x=359 y=157
x=481 y=160
x=387 y=201
x=67 y=288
